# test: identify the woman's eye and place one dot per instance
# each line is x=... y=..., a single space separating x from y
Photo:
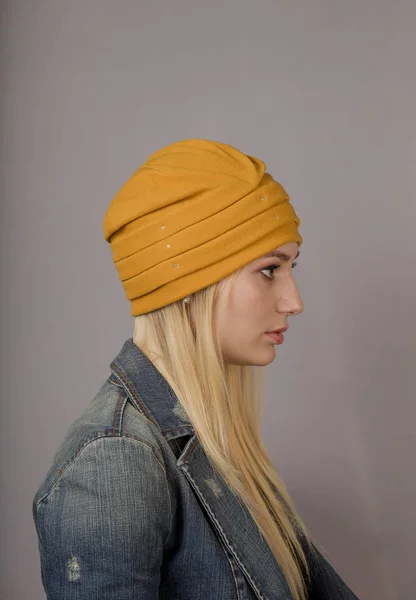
x=272 y=268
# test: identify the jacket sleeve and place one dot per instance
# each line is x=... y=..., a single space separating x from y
x=102 y=527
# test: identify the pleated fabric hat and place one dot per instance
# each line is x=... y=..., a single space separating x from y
x=192 y=214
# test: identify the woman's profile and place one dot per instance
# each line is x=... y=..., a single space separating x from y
x=163 y=488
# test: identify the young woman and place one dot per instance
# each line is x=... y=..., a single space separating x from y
x=162 y=488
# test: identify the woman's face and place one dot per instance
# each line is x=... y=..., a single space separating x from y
x=260 y=301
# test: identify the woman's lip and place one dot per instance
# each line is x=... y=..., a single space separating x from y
x=278 y=338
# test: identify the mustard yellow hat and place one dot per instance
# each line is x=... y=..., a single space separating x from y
x=192 y=214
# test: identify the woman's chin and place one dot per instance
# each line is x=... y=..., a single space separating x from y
x=259 y=358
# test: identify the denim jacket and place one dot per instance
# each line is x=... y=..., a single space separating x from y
x=131 y=508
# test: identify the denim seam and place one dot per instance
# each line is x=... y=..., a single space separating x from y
x=226 y=552
x=87 y=443
x=234 y=577
x=118 y=413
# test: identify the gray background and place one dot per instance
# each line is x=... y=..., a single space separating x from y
x=324 y=92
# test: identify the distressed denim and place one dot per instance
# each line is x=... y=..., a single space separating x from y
x=131 y=508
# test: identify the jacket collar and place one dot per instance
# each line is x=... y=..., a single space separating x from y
x=151 y=394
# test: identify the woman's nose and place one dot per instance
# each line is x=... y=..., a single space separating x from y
x=290 y=301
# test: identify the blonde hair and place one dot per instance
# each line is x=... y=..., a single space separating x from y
x=224 y=403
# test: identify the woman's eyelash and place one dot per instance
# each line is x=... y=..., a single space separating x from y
x=273 y=267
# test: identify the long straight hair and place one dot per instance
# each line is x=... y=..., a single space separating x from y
x=225 y=404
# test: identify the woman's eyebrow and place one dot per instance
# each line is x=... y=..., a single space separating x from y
x=279 y=254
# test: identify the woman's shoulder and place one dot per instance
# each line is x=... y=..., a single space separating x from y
x=110 y=420
x=105 y=505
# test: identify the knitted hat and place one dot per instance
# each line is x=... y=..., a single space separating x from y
x=192 y=214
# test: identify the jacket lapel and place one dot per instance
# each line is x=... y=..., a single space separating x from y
x=232 y=522
x=234 y=525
